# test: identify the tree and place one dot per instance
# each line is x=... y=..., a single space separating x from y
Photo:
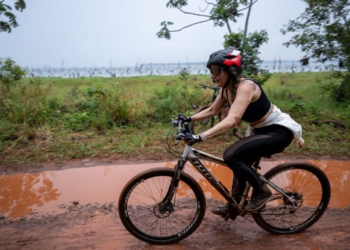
x=10 y=73
x=250 y=46
x=10 y=18
x=222 y=13
x=323 y=33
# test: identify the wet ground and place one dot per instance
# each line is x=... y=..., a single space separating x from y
x=75 y=208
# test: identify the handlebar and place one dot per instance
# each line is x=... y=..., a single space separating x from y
x=183 y=134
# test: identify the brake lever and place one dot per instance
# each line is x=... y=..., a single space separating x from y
x=174 y=122
x=180 y=136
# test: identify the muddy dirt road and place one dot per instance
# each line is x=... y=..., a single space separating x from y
x=97 y=226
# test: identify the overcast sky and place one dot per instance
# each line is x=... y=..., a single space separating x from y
x=86 y=33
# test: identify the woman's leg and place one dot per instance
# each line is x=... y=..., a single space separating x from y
x=266 y=141
x=241 y=155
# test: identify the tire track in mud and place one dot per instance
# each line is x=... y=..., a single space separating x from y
x=97 y=226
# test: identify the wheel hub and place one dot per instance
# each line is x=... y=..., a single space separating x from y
x=160 y=211
x=297 y=197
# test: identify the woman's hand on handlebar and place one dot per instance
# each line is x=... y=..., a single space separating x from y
x=190 y=138
x=183 y=118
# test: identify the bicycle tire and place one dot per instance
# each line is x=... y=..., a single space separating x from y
x=202 y=125
x=309 y=185
x=138 y=203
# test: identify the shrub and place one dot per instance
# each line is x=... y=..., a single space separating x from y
x=26 y=104
x=10 y=73
x=171 y=100
x=100 y=107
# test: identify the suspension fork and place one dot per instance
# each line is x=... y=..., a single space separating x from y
x=164 y=204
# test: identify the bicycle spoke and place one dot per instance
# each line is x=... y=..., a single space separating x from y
x=144 y=210
x=302 y=183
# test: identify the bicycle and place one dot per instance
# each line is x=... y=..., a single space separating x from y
x=203 y=125
x=165 y=205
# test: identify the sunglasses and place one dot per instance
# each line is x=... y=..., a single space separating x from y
x=215 y=71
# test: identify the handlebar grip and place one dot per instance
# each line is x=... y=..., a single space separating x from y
x=187 y=127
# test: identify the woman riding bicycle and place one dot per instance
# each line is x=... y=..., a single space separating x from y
x=269 y=132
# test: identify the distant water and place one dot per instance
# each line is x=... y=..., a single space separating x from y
x=163 y=69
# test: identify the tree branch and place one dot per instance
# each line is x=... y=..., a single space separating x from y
x=165 y=33
x=185 y=12
x=228 y=26
x=246 y=22
x=206 y=6
x=247 y=6
x=189 y=25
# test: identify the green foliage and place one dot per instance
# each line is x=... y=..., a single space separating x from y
x=221 y=13
x=164 y=32
x=225 y=11
x=10 y=73
x=338 y=87
x=250 y=53
x=6 y=11
x=323 y=33
x=101 y=108
x=323 y=30
x=31 y=104
x=342 y=94
x=171 y=100
x=26 y=104
x=184 y=75
x=73 y=118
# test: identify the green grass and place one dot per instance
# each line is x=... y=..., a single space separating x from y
x=56 y=119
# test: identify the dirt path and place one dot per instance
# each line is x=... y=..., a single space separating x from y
x=97 y=226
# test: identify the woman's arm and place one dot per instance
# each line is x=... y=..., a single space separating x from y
x=212 y=110
x=244 y=96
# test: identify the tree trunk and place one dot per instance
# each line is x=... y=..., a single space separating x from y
x=246 y=22
x=228 y=26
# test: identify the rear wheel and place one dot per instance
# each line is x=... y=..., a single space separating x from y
x=144 y=216
x=310 y=188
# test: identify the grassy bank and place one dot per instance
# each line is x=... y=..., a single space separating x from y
x=55 y=119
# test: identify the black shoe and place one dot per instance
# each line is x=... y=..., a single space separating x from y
x=225 y=212
x=259 y=198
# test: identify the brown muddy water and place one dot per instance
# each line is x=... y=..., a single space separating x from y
x=49 y=191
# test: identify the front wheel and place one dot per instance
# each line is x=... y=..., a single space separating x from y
x=141 y=212
x=309 y=187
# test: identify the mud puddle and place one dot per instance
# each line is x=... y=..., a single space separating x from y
x=51 y=191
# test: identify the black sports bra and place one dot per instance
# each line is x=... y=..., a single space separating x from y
x=256 y=110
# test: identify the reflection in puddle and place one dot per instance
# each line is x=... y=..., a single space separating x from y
x=23 y=194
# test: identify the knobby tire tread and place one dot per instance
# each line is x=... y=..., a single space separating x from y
x=162 y=171
x=326 y=188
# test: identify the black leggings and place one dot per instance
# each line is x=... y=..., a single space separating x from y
x=240 y=156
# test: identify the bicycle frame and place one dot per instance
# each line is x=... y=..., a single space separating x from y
x=192 y=155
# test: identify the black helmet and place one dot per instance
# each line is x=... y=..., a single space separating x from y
x=230 y=58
